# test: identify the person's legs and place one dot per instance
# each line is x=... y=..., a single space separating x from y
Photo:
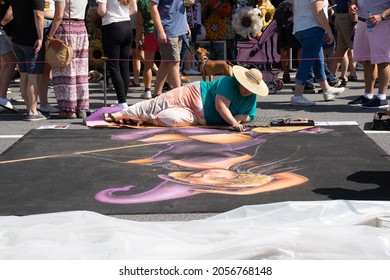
x=310 y=50
x=170 y=63
x=150 y=49
x=116 y=41
x=383 y=77
x=44 y=87
x=352 y=66
x=124 y=69
x=136 y=68
x=169 y=109
x=147 y=74
x=7 y=70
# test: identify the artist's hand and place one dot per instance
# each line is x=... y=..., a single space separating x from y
x=238 y=126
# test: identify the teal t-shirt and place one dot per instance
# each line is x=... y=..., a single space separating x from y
x=228 y=87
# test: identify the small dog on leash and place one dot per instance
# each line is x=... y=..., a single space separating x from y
x=212 y=67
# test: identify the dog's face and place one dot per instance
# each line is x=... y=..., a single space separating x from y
x=201 y=52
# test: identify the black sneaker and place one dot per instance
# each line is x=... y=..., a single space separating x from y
x=359 y=101
x=376 y=103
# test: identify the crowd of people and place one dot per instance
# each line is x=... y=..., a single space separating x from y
x=342 y=29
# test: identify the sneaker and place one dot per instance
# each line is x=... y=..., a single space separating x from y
x=35 y=117
x=309 y=88
x=352 y=78
x=359 y=101
x=2 y=109
x=301 y=101
x=6 y=103
x=49 y=108
x=191 y=72
x=147 y=95
x=332 y=93
x=335 y=83
x=376 y=103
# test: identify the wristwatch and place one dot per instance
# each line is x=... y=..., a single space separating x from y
x=383 y=16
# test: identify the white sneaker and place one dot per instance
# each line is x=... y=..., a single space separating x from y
x=50 y=109
x=301 y=101
x=332 y=93
x=147 y=95
x=6 y=104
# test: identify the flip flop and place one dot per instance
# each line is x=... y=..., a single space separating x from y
x=134 y=84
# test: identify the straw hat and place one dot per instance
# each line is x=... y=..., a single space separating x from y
x=251 y=79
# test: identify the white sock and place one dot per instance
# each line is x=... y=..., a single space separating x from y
x=123 y=105
x=368 y=95
x=381 y=96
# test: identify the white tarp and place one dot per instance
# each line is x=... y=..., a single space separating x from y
x=328 y=230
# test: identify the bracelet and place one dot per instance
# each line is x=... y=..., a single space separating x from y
x=1 y=25
x=50 y=37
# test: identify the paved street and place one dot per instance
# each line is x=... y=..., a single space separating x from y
x=12 y=126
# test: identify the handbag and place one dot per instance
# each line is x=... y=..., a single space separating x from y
x=59 y=54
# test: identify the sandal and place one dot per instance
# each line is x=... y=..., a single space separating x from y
x=134 y=84
x=108 y=117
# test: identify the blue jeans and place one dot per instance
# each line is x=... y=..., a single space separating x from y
x=312 y=55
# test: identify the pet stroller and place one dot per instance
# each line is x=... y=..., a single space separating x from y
x=262 y=54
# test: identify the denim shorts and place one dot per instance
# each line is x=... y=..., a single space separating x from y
x=29 y=61
x=5 y=43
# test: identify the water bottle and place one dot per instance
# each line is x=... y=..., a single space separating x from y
x=370 y=26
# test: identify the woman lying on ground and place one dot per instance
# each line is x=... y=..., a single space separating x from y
x=226 y=101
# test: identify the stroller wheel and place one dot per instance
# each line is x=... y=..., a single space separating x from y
x=272 y=87
x=279 y=84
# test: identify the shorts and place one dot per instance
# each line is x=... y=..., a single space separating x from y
x=5 y=43
x=150 y=43
x=171 y=50
x=287 y=40
x=343 y=26
x=29 y=61
x=372 y=46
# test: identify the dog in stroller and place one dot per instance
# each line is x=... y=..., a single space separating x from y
x=262 y=54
